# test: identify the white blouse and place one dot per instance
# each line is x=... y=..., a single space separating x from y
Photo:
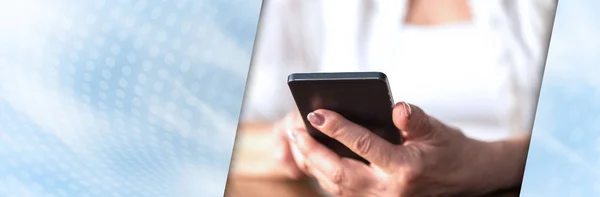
x=481 y=76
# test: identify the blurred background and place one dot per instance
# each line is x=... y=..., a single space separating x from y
x=566 y=141
x=476 y=65
x=122 y=97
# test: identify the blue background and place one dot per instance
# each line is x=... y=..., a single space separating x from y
x=121 y=98
x=564 y=154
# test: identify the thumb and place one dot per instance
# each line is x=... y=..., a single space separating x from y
x=414 y=122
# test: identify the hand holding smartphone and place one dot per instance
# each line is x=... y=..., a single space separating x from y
x=361 y=97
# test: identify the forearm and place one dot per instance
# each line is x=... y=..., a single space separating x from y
x=512 y=159
x=504 y=164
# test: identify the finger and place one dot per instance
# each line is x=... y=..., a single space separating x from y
x=334 y=173
x=334 y=189
x=299 y=159
x=294 y=121
x=283 y=154
x=357 y=138
x=362 y=178
x=318 y=157
x=291 y=121
x=414 y=122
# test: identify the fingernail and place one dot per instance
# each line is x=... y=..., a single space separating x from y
x=291 y=135
x=316 y=119
x=407 y=111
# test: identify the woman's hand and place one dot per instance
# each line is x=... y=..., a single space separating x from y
x=284 y=152
x=435 y=160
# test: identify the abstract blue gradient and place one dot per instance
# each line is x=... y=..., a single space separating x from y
x=564 y=154
x=121 y=98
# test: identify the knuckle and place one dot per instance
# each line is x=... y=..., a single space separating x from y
x=413 y=174
x=363 y=144
x=423 y=125
x=337 y=176
x=335 y=128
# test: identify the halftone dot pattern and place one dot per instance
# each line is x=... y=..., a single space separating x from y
x=121 y=98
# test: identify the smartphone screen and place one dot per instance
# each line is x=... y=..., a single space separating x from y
x=361 y=97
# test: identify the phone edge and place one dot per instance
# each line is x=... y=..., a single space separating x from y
x=337 y=76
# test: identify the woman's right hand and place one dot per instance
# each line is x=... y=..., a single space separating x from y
x=284 y=152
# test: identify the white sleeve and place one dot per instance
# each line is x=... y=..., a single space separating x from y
x=528 y=29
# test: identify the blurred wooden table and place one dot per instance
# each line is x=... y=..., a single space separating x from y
x=253 y=157
x=241 y=187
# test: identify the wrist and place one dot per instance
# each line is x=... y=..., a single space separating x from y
x=498 y=165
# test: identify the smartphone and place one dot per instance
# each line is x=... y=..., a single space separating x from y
x=361 y=97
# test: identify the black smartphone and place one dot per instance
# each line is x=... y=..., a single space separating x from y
x=361 y=97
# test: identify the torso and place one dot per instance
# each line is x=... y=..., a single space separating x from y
x=456 y=76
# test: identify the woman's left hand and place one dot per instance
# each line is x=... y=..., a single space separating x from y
x=435 y=160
